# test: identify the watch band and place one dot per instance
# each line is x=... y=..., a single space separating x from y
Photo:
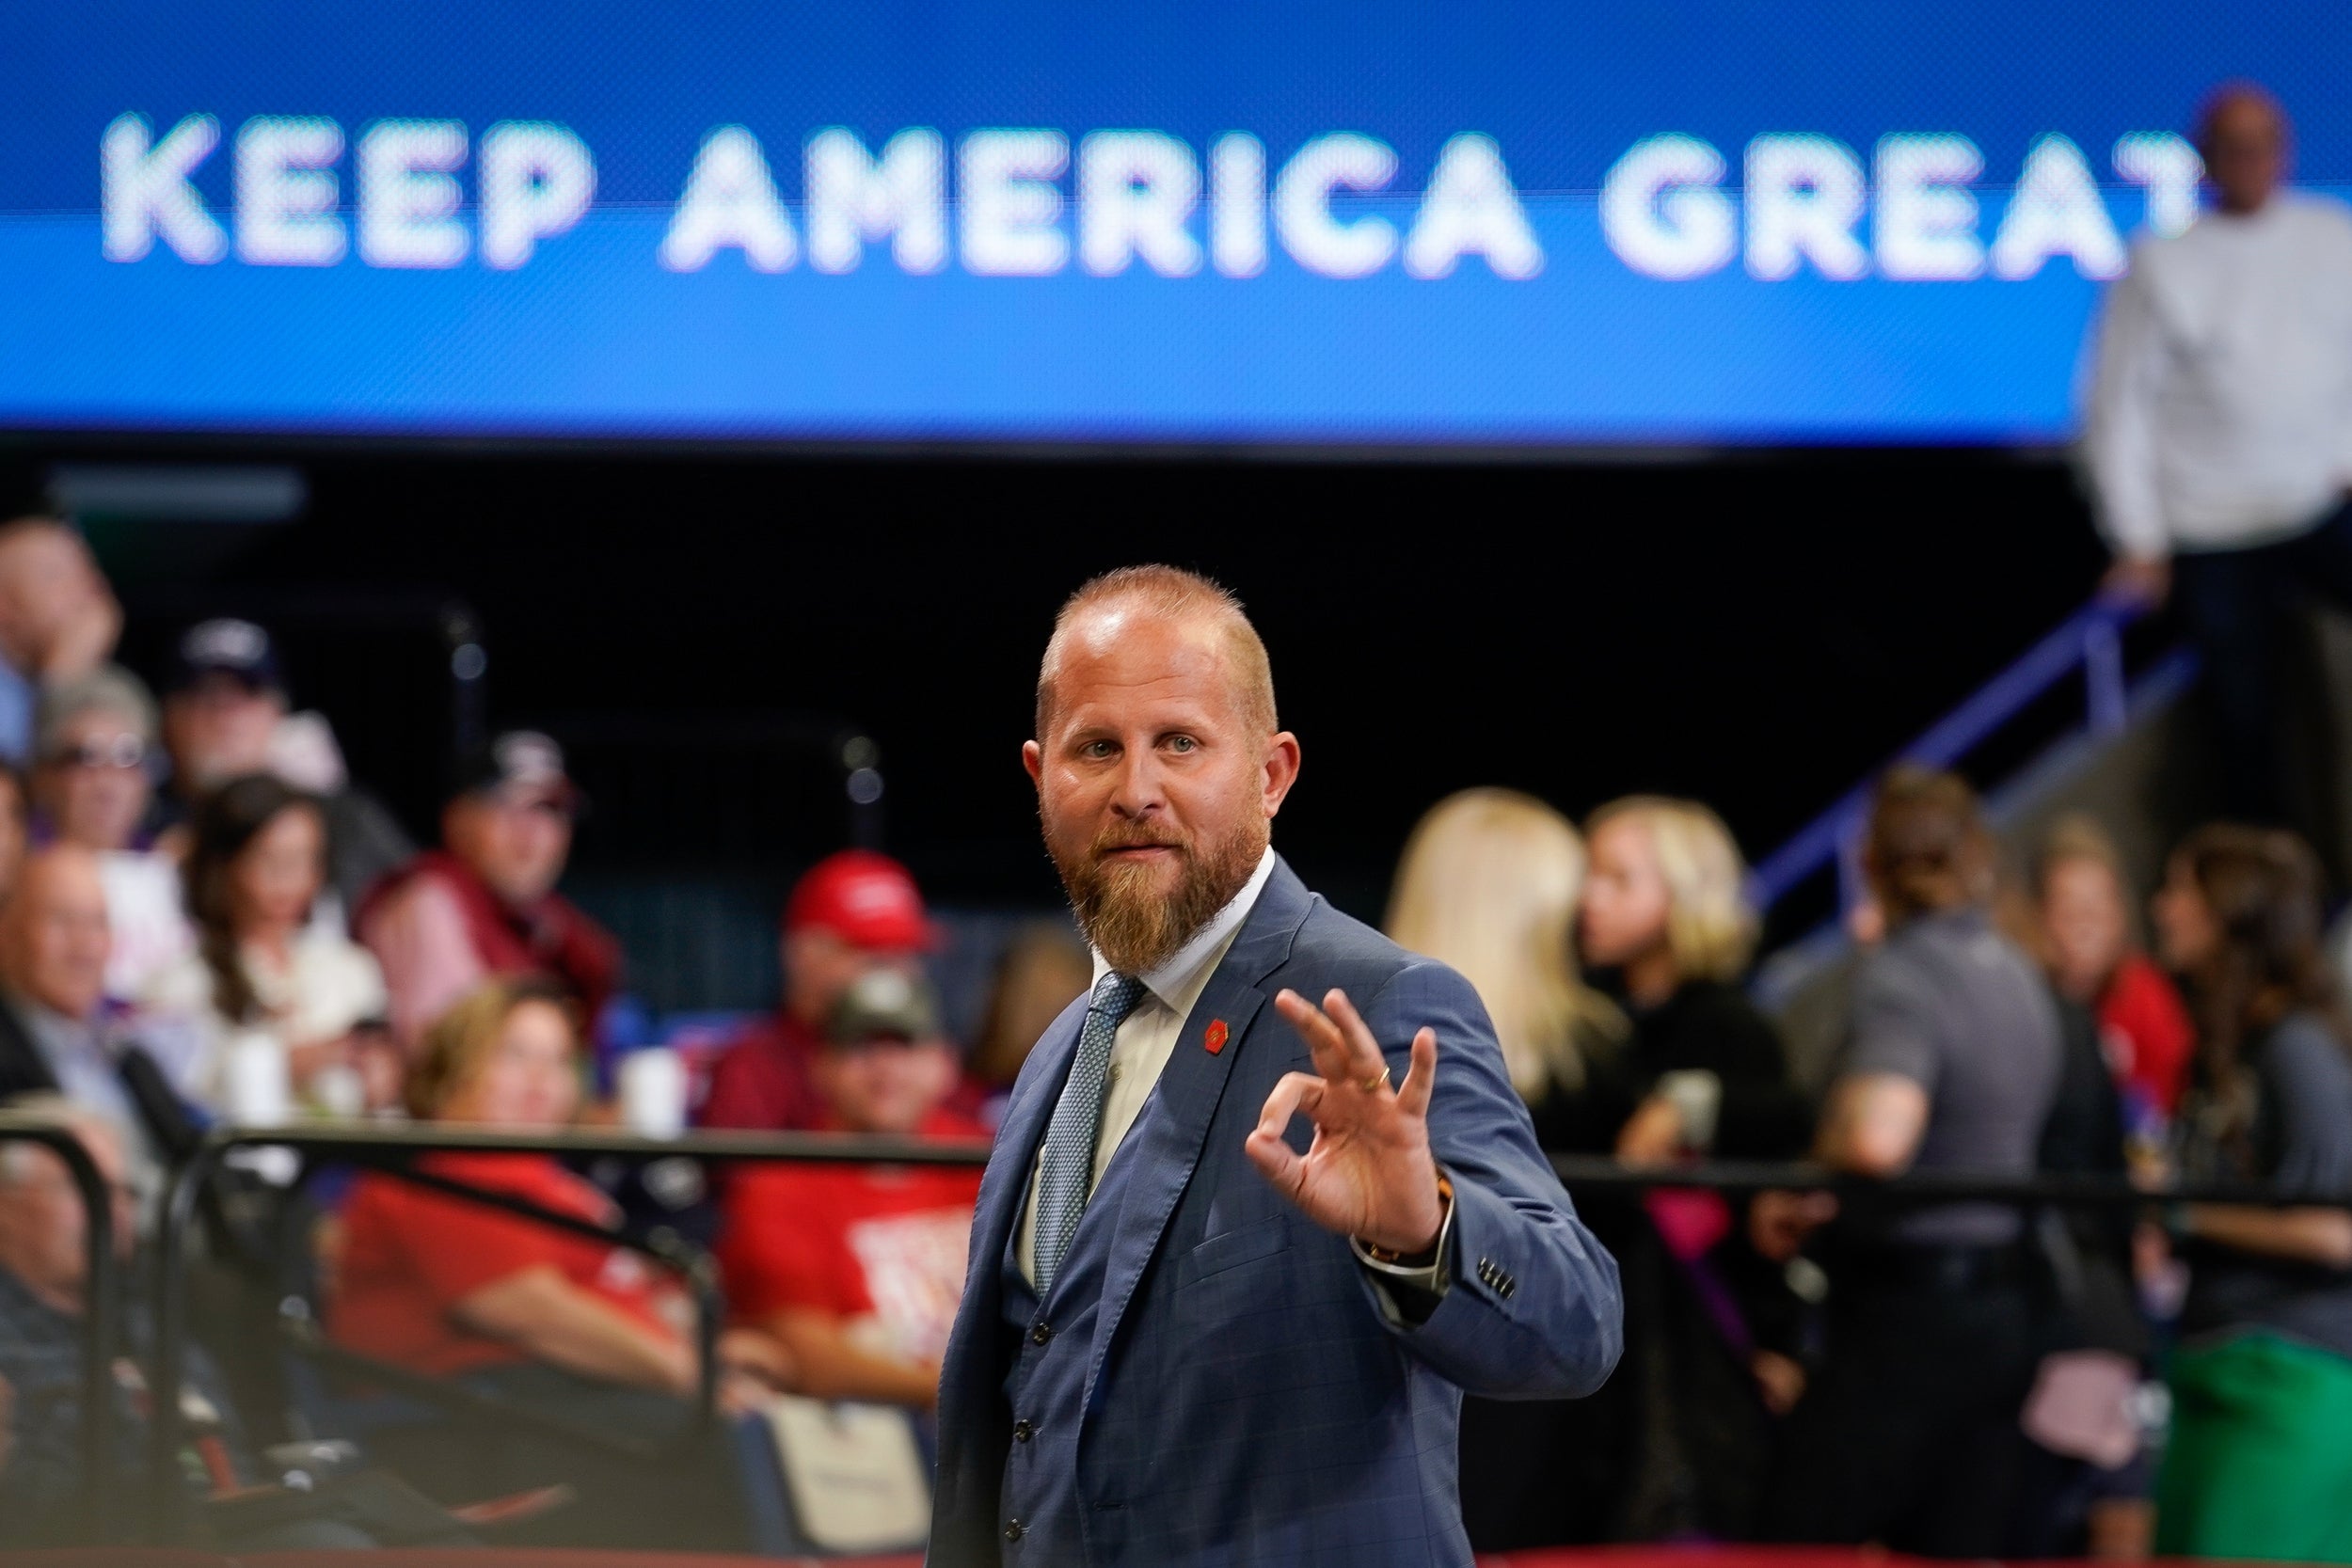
x=1398 y=1263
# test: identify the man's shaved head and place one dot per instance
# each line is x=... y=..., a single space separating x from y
x=54 y=935
x=1168 y=593
x=2234 y=102
x=2243 y=136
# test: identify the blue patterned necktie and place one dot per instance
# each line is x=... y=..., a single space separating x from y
x=1066 y=1168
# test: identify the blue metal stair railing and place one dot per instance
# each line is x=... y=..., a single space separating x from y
x=2090 y=641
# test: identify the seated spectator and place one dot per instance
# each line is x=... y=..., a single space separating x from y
x=95 y=750
x=2258 y=1464
x=1704 y=1070
x=225 y=716
x=485 y=903
x=1909 y=1436
x=526 y=1313
x=44 y=1285
x=56 y=1034
x=1043 y=969
x=2085 y=919
x=58 y=621
x=256 y=861
x=45 y=1279
x=851 y=912
x=1488 y=884
x=856 y=1270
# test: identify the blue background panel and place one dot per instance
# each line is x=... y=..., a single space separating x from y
x=594 y=337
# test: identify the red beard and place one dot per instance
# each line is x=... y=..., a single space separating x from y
x=1125 y=910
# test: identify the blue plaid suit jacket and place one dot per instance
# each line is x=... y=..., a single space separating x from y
x=1248 y=1401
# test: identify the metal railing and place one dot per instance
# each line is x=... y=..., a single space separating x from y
x=101 y=1305
x=2089 y=642
x=1926 y=1189
x=392 y=1150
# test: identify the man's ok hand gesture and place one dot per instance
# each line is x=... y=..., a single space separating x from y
x=1369 y=1173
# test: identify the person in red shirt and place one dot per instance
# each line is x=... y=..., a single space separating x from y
x=439 y=1285
x=507 y=1306
x=2085 y=918
x=485 y=903
x=855 y=1271
x=852 y=912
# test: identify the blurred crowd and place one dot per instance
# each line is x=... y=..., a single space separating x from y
x=1958 y=1379
x=205 y=920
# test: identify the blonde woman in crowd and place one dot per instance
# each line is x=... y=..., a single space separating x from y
x=1488 y=885
x=1666 y=916
x=1703 y=1070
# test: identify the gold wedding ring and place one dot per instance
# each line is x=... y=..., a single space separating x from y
x=1376 y=1082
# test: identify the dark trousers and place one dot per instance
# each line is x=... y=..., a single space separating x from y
x=2241 y=608
x=1909 y=1437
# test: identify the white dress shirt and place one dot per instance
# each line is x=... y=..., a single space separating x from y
x=1147 y=1037
x=2220 y=408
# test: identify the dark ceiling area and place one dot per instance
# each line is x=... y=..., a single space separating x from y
x=1757 y=630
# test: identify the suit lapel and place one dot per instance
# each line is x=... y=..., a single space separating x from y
x=1170 y=1137
x=970 y=1373
x=1006 y=1187
x=22 y=1068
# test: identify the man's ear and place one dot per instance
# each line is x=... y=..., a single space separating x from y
x=1033 y=761
x=1281 y=768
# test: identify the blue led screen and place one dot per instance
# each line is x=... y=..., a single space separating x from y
x=1474 y=225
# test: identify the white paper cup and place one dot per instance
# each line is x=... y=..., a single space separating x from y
x=338 y=1091
x=653 y=1092
x=254 y=1079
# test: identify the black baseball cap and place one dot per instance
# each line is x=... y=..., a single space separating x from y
x=226 y=645
x=519 y=762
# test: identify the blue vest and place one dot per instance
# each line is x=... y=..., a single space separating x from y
x=1043 y=1518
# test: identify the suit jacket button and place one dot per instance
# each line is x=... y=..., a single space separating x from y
x=1012 y=1530
x=1023 y=1431
x=1039 y=1335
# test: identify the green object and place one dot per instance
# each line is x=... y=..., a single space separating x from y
x=2260 y=1460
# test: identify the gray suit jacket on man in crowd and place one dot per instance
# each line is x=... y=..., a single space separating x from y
x=1212 y=1379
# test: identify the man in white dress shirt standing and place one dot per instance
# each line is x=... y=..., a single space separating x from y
x=2219 y=430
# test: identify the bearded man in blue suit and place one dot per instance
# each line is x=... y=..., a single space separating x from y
x=1263 y=1204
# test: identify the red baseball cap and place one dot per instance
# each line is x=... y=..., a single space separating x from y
x=868 y=900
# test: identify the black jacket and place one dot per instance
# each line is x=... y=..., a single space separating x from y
x=163 y=1116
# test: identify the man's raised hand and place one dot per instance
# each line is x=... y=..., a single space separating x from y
x=1369 y=1173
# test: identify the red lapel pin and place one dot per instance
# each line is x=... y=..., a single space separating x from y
x=1214 y=1038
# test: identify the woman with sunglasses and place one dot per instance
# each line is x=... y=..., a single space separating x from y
x=93 y=773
